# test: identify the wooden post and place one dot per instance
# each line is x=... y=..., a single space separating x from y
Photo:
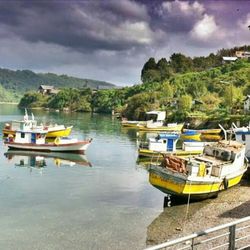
x=232 y=237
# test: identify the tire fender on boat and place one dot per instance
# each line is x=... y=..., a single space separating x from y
x=57 y=141
x=225 y=183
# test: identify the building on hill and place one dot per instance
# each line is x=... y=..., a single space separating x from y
x=242 y=54
x=47 y=90
x=229 y=59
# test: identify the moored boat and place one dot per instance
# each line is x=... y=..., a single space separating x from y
x=132 y=124
x=191 y=135
x=35 y=140
x=166 y=143
x=221 y=166
x=52 y=130
x=204 y=131
x=170 y=127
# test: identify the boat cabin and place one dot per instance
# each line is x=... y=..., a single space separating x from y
x=163 y=142
x=156 y=116
x=33 y=137
x=21 y=125
x=242 y=135
x=217 y=160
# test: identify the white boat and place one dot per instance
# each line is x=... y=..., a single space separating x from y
x=166 y=143
x=35 y=140
x=221 y=166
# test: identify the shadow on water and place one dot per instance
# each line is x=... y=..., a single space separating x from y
x=35 y=159
x=176 y=214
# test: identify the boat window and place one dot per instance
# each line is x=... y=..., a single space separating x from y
x=22 y=135
x=164 y=141
x=243 y=137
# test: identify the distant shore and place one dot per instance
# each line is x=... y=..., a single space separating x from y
x=14 y=103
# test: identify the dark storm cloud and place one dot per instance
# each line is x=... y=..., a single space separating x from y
x=111 y=40
x=78 y=25
x=179 y=16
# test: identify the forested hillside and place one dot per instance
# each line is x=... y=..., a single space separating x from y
x=181 y=88
x=20 y=81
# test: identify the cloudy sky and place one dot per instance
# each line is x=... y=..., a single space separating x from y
x=111 y=40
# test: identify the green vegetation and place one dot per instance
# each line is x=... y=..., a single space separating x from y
x=21 y=81
x=184 y=87
x=8 y=96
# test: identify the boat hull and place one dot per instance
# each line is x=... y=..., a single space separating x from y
x=175 y=184
x=162 y=128
x=204 y=131
x=196 y=137
x=133 y=124
x=159 y=155
x=210 y=137
x=78 y=147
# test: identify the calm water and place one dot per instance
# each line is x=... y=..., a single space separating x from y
x=103 y=201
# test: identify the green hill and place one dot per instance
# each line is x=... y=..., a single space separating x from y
x=21 y=81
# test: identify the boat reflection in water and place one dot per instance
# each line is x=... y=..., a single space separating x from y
x=36 y=159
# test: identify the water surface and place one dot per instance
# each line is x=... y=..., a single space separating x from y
x=53 y=203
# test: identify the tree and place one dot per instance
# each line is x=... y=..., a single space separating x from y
x=185 y=103
x=181 y=63
x=150 y=72
x=232 y=96
x=165 y=69
x=211 y=101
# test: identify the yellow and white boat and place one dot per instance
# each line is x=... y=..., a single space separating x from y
x=132 y=124
x=221 y=166
x=171 y=127
x=52 y=130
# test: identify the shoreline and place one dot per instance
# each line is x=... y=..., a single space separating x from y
x=183 y=219
x=13 y=103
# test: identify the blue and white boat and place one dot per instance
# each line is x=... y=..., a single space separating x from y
x=242 y=135
x=166 y=143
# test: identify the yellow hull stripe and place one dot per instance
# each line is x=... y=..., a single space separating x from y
x=191 y=137
x=184 y=188
x=176 y=128
x=150 y=153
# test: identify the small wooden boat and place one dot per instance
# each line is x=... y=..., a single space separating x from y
x=191 y=135
x=204 y=131
x=133 y=124
x=52 y=130
x=210 y=137
x=153 y=118
x=171 y=127
x=221 y=166
x=35 y=140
